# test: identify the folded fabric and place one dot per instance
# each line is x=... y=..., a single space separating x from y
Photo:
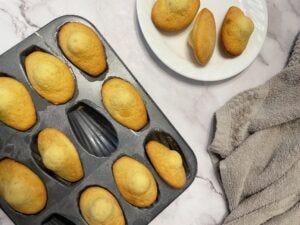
x=257 y=150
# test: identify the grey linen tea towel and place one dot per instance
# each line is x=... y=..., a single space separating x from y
x=257 y=150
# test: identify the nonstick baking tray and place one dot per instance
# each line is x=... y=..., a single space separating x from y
x=99 y=139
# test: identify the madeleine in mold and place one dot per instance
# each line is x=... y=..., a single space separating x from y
x=59 y=154
x=99 y=207
x=135 y=182
x=50 y=77
x=16 y=106
x=124 y=103
x=167 y=163
x=21 y=188
x=82 y=46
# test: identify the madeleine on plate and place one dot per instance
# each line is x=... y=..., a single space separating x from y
x=236 y=31
x=202 y=38
x=174 y=15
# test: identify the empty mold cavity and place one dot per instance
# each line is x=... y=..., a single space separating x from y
x=38 y=159
x=168 y=141
x=56 y=219
x=94 y=132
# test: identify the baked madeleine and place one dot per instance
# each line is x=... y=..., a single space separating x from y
x=174 y=15
x=168 y=164
x=16 y=107
x=236 y=31
x=59 y=154
x=135 y=182
x=50 y=77
x=99 y=207
x=82 y=47
x=203 y=36
x=21 y=188
x=124 y=103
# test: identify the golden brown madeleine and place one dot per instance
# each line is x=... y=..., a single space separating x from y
x=203 y=36
x=135 y=182
x=236 y=31
x=59 y=154
x=124 y=103
x=82 y=47
x=174 y=15
x=50 y=77
x=99 y=207
x=167 y=163
x=16 y=107
x=21 y=188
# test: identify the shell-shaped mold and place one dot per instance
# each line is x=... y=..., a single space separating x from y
x=94 y=132
x=56 y=219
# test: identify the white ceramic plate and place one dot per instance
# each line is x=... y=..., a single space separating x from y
x=173 y=50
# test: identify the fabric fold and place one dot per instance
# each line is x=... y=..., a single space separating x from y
x=257 y=149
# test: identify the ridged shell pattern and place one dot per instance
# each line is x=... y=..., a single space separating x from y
x=94 y=132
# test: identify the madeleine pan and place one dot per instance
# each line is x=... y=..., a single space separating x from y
x=99 y=139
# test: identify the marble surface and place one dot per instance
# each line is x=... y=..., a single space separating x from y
x=189 y=105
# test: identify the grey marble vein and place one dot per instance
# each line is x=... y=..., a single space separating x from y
x=261 y=58
x=23 y=9
x=211 y=185
x=15 y=21
x=295 y=6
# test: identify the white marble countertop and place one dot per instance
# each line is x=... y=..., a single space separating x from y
x=188 y=104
